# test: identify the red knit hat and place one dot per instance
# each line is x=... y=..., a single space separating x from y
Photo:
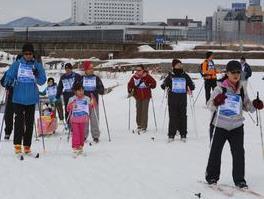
x=87 y=65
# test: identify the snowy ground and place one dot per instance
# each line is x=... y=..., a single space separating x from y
x=131 y=166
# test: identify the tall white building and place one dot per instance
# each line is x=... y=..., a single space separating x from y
x=107 y=11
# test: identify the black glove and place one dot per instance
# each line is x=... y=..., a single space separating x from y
x=35 y=72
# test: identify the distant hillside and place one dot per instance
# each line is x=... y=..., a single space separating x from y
x=26 y=22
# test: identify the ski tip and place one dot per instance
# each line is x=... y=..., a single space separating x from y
x=90 y=144
x=21 y=158
x=153 y=138
x=37 y=155
x=198 y=195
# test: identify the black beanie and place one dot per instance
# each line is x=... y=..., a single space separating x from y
x=209 y=54
x=68 y=65
x=233 y=66
x=51 y=79
x=175 y=62
x=28 y=47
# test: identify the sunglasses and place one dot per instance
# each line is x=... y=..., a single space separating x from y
x=28 y=54
x=235 y=72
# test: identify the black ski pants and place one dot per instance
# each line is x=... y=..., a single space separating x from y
x=24 y=121
x=9 y=115
x=235 y=138
x=209 y=85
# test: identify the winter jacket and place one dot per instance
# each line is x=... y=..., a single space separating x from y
x=51 y=91
x=141 y=87
x=66 y=83
x=79 y=109
x=231 y=113
x=93 y=85
x=246 y=73
x=24 y=82
x=209 y=71
x=9 y=89
x=178 y=85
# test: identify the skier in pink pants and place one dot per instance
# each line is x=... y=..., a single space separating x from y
x=78 y=106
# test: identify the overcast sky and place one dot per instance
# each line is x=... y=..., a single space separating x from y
x=154 y=10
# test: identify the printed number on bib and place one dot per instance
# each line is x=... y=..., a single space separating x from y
x=81 y=108
x=178 y=85
x=89 y=84
x=67 y=84
x=25 y=73
x=232 y=106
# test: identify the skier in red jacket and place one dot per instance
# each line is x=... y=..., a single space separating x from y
x=140 y=86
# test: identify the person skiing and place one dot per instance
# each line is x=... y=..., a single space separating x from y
x=209 y=73
x=227 y=102
x=140 y=86
x=24 y=75
x=51 y=91
x=246 y=71
x=78 y=107
x=9 y=110
x=179 y=84
x=65 y=86
x=93 y=87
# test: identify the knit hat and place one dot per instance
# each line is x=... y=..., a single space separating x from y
x=87 y=65
x=51 y=79
x=28 y=47
x=233 y=66
x=175 y=62
x=68 y=65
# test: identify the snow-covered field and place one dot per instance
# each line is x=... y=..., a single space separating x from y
x=131 y=166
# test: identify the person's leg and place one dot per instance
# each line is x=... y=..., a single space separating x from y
x=183 y=120
x=172 y=120
x=94 y=118
x=59 y=108
x=139 y=115
x=207 y=87
x=214 y=161
x=144 y=113
x=82 y=128
x=19 y=125
x=9 y=118
x=75 y=135
x=29 y=124
x=236 y=141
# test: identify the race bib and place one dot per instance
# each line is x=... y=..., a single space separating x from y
x=178 y=85
x=142 y=84
x=25 y=73
x=232 y=106
x=81 y=108
x=89 y=83
x=211 y=65
x=67 y=84
x=52 y=91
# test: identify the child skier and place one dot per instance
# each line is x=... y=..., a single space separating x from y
x=78 y=107
x=227 y=102
x=179 y=84
x=51 y=91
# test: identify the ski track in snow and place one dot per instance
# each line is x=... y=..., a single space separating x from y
x=131 y=166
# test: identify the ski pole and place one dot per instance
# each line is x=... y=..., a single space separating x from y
x=129 y=113
x=106 y=121
x=2 y=124
x=193 y=115
x=164 y=117
x=41 y=127
x=69 y=128
x=257 y=116
x=261 y=133
x=154 y=114
x=213 y=134
x=200 y=91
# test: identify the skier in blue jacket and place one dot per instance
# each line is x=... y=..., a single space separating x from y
x=25 y=74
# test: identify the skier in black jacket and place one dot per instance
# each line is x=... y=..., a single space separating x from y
x=65 y=86
x=178 y=84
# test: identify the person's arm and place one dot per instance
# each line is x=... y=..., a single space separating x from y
x=247 y=103
x=131 y=85
x=167 y=82
x=41 y=77
x=99 y=86
x=249 y=72
x=59 y=88
x=149 y=81
x=43 y=93
x=190 y=83
x=71 y=104
x=11 y=74
x=210 y=104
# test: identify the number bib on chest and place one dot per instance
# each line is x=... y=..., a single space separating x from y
x=25 y=73
x=52 y=91
x=67 y=84
x=232 y=106
x=89 y=83
x=178 y=85
x=142 y=85
x=81 y=108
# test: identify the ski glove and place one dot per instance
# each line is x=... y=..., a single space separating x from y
x=219 y=99
x=258 y=104
x=35 y=72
